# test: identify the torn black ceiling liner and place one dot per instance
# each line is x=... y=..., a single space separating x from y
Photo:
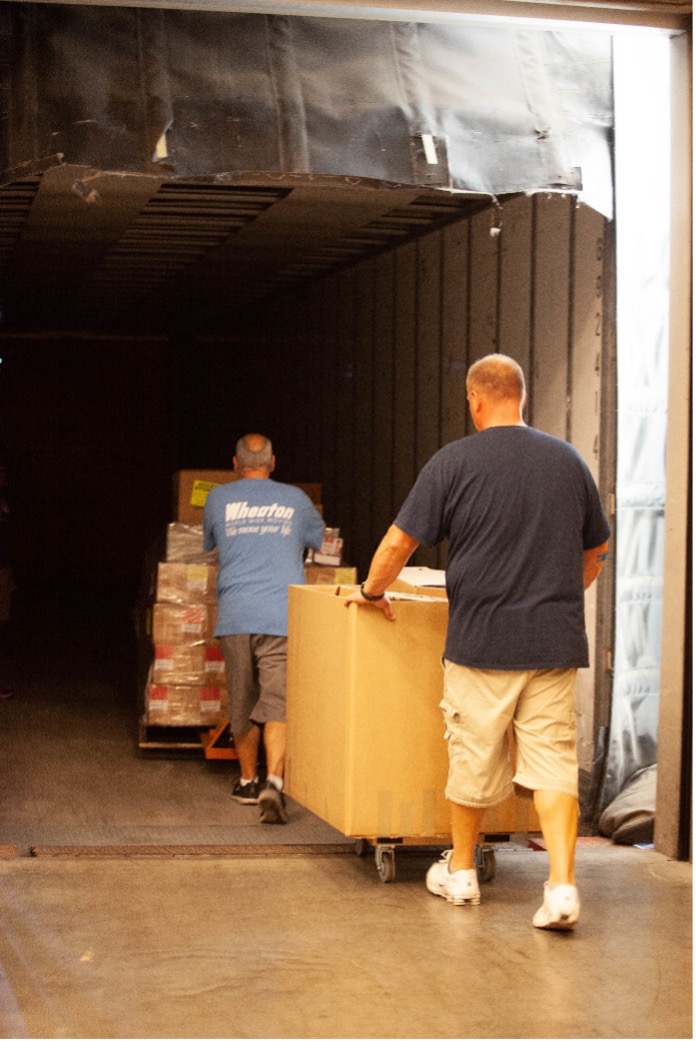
x=186 y=94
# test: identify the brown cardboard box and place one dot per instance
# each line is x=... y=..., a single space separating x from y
x=179 y=583
x=366 y=751
x=182 y=623
x=198 y=664
x=184 y=542
x=191 y=489
x=322 y=574
x=182 y=705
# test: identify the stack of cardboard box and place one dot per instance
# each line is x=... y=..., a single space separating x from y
x=183 y=668
x=186 y=678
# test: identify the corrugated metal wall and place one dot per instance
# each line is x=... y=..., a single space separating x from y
x=388 y=343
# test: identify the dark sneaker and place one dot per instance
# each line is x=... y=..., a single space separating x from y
x=272 y=805
x=246 y=793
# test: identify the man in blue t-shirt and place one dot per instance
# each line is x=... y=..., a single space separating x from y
x=261 y=529
x=527 y=535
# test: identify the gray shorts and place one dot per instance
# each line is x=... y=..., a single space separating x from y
x=255 y=668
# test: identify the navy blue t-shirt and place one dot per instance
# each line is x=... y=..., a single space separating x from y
x=518 y=508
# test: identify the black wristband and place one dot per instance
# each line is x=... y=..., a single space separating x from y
x=368 y=596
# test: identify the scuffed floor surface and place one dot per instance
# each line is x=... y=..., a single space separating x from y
x=318 y=947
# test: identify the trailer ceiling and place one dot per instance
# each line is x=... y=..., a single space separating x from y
x=164 y=169
x=125 y=253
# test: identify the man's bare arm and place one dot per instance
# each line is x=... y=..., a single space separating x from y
x=390 y=557
x=593 y=562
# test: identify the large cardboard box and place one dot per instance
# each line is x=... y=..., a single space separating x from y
x=366 y=749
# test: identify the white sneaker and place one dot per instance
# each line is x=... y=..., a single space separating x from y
x=560 y=909
x=459 y=887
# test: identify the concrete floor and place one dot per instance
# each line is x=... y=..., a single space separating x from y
x=138 y=930
x=317 y=947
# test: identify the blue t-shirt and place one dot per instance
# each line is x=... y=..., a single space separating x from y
x=519 y=507
x=261 y=529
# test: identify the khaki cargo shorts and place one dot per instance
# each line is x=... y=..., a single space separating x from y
x=479 y=705
x=255 y=671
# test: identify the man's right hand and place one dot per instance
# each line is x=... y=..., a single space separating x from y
x=382 y=604
x=393 y=552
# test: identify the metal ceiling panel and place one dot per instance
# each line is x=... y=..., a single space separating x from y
x=494 y=110
x=84 y=250
x=192 y=162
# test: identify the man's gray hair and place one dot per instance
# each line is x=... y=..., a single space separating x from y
x=254 y=460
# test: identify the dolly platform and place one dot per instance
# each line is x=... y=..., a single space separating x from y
x=385 y=854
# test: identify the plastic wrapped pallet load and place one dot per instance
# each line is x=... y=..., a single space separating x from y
x=365 y=739
x=185 y=705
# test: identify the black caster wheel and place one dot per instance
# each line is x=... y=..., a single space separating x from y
x=386 y=864
x=485 y=864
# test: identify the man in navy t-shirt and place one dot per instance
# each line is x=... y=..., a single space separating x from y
x=527 y=535
x=261 y=529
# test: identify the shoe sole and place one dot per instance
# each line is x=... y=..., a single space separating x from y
x=458 y=901
x=272 y=810
x=561 y=918
x=245 y=801
x=564 y=924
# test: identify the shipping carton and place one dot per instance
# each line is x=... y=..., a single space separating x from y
x=179 y=583
x=198 y=664
x=182 y=623
x=191 y=489
x=184 y=543
x=365 y=736
x=174 y=705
